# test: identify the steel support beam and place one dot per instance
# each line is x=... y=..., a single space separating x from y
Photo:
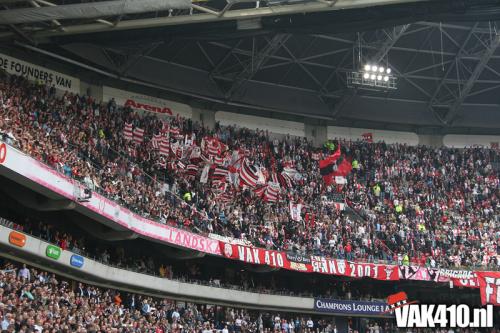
x=389 y=43
x=465 y=91
x=227 y=14
x=256 y=62
x=56 y=22
x=457 y=56
x=50 y=4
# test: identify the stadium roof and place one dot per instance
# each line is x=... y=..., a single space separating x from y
x=287 y=58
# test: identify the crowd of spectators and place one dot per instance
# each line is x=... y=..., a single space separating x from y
x=33 y=300
x=427 y=206
x=37 y=301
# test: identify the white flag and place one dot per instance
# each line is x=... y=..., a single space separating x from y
x=262 y=178
x=204 y=174
x=295 y=210
x=340 y=180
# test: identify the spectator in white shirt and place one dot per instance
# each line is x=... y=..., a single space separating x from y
x=25 y=273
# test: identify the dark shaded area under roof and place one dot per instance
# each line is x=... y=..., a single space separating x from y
x=445 y=55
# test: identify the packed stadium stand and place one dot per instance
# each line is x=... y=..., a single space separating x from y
x=442 y=202
x=383 y=219
x=284 y=166
x=34 y=300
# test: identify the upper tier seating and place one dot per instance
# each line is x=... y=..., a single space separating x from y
x=438 y=207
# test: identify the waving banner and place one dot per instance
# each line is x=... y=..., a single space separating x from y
x=354 y=269
x=466 y=283
x=489 y=286
x=460 y=278
x=313 y=264
x=411 y=272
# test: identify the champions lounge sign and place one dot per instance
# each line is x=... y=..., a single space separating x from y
x=351 y=308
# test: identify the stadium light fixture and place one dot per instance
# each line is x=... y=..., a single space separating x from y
x=372 y=76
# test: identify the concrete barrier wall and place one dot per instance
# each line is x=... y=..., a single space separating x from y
x=466 y=141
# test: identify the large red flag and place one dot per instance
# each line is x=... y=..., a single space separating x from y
x=328 y=166
x=344 y=168
x=330 y=159
x=489 y=286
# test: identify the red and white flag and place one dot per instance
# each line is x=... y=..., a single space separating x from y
x=248 y=174
x=293 y=174
x=127 y=131
x=295 y=211
x=218 y=160
x=213 y=146
x=274 y=178
x=138 y=135
x=339 y=205
x=195 y=156
x=191 y=169
x=285 y=180
x=223 y=197
x=181 y=166
x=272 y=192
x=260 y=191
x=219 y=186
x=165 y=146
x=220 y=173
x=175 y=131
x=489 y=287
x=157 y=139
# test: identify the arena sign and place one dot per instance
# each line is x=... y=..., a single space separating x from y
x=145 y=103
x=38 y=73
x=362 y=308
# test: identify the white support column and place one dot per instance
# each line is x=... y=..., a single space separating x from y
x=91 y=90
x=206 y=117
x=431 y=140
x=317 y=134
